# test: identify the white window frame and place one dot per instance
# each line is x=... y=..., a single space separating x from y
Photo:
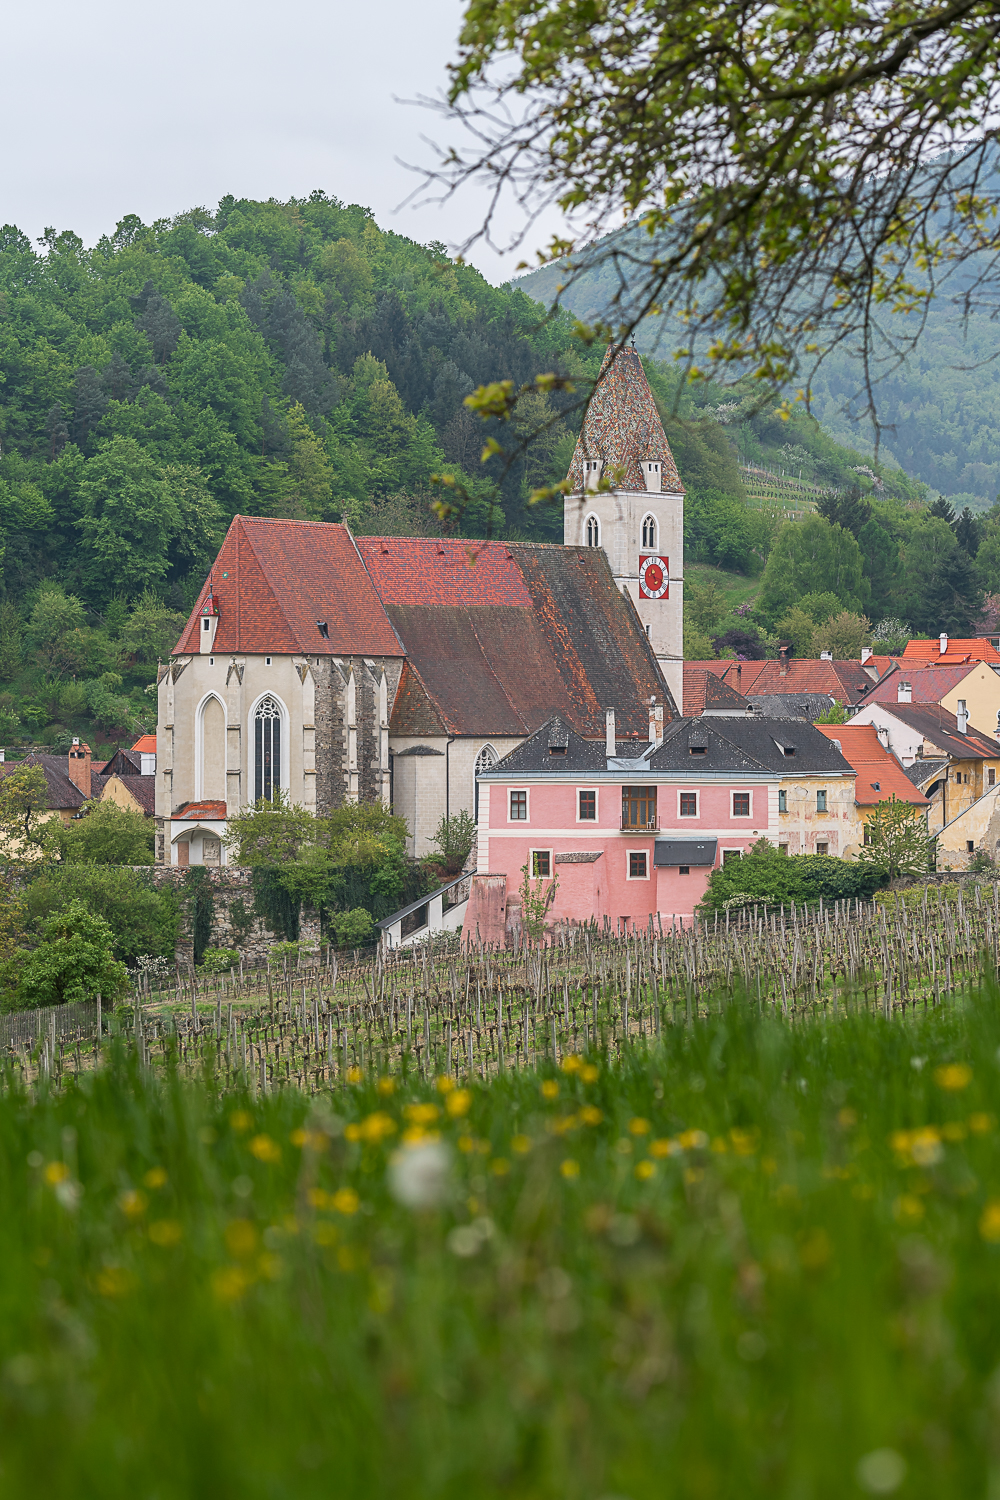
x=782 y=797
x=199 y=742
x=654 y=545
x=743 y=792
x=730 y=849
x=628 y=864
x=824 y=792
x=284 y=780
x=591 y=822
x=531 y=864
x=521 y=822
x=687 y=792
x=586 y=529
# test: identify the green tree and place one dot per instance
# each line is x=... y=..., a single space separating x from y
x=810 y=556
x=143 y=919
x=882 y=565
x=24 y=802
x=453 y=841
x=108 y=835
x=51 y=626
x=940 y=590
x=129 y=517
x=705 y=605
x=897 y=842
x=271 y=832
x=798 y=628
x=73 y=962
x=843 y=636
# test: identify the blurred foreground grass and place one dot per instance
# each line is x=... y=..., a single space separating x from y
x=756 y=1259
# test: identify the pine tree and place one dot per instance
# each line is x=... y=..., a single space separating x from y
x=90 y=402
x=848 y=509
x=58 y=431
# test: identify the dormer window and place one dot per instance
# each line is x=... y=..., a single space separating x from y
x=649 y=533
x=592 y=472
x=323 y=629
x=652 y=471
x=592 y=531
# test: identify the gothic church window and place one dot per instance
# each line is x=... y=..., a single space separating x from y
x=485 y=761
x=593 y=532
x=649 y=532
x=267 y=747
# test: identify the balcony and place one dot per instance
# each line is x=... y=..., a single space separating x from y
x=639 y=810
x=635 y=825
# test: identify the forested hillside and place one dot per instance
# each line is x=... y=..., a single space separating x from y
x=271 y=359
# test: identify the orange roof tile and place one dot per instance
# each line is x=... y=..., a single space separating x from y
x=210 y=812
x=880 y=775
x=705 y=690
x=145 y=745
x=976 y=648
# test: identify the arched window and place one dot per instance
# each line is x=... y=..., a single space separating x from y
x=649 y=532
x=267 y=748
x=485 y=761
x=592 y=531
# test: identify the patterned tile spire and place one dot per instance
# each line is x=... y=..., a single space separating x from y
x=623 y=427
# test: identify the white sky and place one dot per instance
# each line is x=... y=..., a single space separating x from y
x=115 y=107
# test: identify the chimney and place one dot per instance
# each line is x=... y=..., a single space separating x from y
x=655 y=722
x=963 y=717
x=826 y=656
x=883 y=736
x=78 y=766
x=942 y=643
x=609 y=732
x=783 y=660
x=904 y=692
x=865 y=654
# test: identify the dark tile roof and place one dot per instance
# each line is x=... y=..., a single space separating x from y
x=123 y=763
x=141 y=789
x=704 y=689
x=940 y=727
x=923 y=770
x=622 y=426
x=63 y=794
x=749 y=744
x=580 y=754
x=499 y=637
x=791 y=705
x=274 y=580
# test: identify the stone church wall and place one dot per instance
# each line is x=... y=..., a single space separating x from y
x=234 y=923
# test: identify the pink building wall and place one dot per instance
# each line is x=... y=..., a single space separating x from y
x=603 y=887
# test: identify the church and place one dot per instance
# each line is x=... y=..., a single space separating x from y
x=339 y=668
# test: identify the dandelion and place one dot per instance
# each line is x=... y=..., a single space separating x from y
x=421 y=1114
x=953 y=1076
x=345 y=1201
x=521 y=1144
x=550 y=1089
x=663 y=1147
x=569 y=1168
x=354 y=1075
x=375 y=1127
x=639 y=1126
x=458 y=1103
x=589 y=1073
x=56 y=1172
x=230 y=1282
x=644 y=1170
x=419 y=1176
x=265 y=1149
x=445 y=1084
x=386 y=1086
x=907 y=1209
x=590 y=1115
x=744 y=1141
x=241 y=1238
x=572 y=1063
x=241 y=1120
x=132 y=1203
x=114 y=1281
x=989 y=1222
x=692 y=1140
x=500 y=1167
x=156 y=1177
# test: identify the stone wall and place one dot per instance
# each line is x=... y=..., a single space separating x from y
x=234 y=922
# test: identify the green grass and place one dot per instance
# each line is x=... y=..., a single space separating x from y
x=198 y=1301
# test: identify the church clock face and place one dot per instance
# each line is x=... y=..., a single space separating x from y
x=654 y=577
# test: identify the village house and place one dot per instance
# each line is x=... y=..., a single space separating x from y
x=879 y=776
x=631 y=831
x=70 y=781
x=335 y=668
x=945 y=758
x=952 y=651
x=972 y=687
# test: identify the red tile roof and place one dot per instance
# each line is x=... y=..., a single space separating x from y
x=145 y=745
x=929 y=682
x=623 y=427
x=499 y=637
x=705 y=690
x=976 y=648
x=880 y=775
x=208 y=812
x=274 y=580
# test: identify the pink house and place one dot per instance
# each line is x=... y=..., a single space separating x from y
x=627 y=831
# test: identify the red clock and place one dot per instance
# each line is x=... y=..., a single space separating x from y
x=654 y=577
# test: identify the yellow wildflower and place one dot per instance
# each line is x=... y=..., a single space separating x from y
x=570 y=1168
x=265 y=1149
x=155 y=1177
x=953 y=1076
x=989 y=1223
x=376 y=1127
x=644 y=1170
x=241 y=1238
x=589 y=1073
x=572 y=1063
x=241 y=1119
x=114 y=1281
x=499 y=1167
x=744 y=1141
x=421 y=1114
x=445 y=1084
x=466 y=1143
x=692 y=1140
x=230 y=1282
x=639 y=1126
x=386 y=1086
x=345 y=1201
x=354 y=1075
x=521 y=1144
x=132 y=1203
x=908 y=1209
x=56 y=1172
x=166 y=1232
x=458 y=1103
x=550 y=1089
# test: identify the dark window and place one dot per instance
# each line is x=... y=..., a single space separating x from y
x=689 y=804
x=684 y=869
x=741 y=804
x=267 y=745
x=557 y=749
x=588 y=807
x=991 y=777
x=782 y=801
x=519 y=807
x=698 y=749
x=782 y=848
x=593 y=532
x=639 y=807
x=323 y=629
x=970 y=845
x=822 y=847
x=637 y=866
x=729 y=854
x=821 y=801
x=648 y=532
x=540 y=863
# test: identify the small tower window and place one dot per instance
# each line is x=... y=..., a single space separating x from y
x=649 y=532
x=593 y=531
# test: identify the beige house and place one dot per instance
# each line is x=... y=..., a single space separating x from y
x=972 y=687
x=953 y=764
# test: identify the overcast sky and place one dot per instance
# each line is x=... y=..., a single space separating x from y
x=115 y=107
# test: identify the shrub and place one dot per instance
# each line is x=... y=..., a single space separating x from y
x=73 y=962
x=142 y=919
x=353 y=929
x=766 y=876
x=108 y=835
x=219 y=960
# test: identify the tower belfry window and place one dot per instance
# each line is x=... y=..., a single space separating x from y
x=649 y=532
x=267 y=747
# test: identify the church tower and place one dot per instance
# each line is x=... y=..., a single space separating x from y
x=627 y=497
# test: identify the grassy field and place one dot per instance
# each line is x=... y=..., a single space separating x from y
x=736 y=587
x=756 y=1254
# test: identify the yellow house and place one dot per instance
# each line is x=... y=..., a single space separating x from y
x=951 y=763
x=69 y=781
x=972 y=686
x=137 y=793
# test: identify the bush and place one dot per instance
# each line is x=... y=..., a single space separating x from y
x=278 y=952
x=219 y=960
x=767 y=877
x=142 y=919
x=108 y=835
x=353 y=929
x=73 y=962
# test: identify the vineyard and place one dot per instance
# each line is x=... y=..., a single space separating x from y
x=765 y=488
x=642 y=1215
